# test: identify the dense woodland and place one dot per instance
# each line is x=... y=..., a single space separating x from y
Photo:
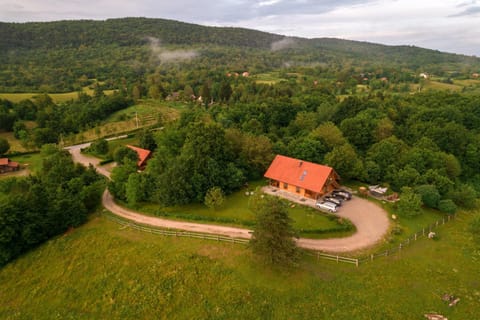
x=425 y=145
x=39 y=207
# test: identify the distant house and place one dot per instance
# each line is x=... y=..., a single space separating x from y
x=304 y=178
x=143 y=156
x=6 y=165
x=475 y=75
x=424 y=75
x=246 y=74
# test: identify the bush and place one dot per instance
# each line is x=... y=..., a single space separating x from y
x=214 y=198
x=99 y=146
x=447 y=206
x=409 y=203
x=430 y=195
x=464 y=196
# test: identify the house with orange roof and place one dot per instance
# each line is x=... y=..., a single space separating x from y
x=143 y=156
x=6 y=165
x=306 y=179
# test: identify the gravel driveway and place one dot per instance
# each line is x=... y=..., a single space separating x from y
x=370 y=220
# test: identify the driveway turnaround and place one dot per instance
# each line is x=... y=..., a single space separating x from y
x=370 y=220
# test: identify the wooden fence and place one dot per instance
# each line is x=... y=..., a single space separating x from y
x=412 y=238
x=175 y=233
x=317 y=254
x=321 y=255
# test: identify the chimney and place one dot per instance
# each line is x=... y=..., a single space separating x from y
x=300 y=164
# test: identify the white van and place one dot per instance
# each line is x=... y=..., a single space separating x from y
x=328 y=206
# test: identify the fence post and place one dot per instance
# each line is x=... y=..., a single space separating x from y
x=356 y=262
x=415 y=236
x=448 y=218
x=443 y=220
x=400 y=247
x=386 y=253
x=337 y=259
x=318 y=255
x=423 y=231
x=371 y=257
x=436 y=223
x=408 y=240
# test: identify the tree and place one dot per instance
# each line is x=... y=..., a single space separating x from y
x=214 y=198
x=146 y=140
x=447 y=206
x=133 y=188
x=206 y=94
x=123 y=153
x=100 y=146
x=272 y=237
x=345 y=161
x=430 y=195
x=4 y=146
x=464 y=196
x=409 y=203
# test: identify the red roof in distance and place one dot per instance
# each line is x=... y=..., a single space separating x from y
x=143 y=155
x=3 y=161
x=304 y=174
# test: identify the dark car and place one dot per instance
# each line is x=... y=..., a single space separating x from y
x=342 y=193
x=335 y=200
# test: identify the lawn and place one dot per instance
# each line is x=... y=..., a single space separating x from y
x=106 y=271
x=309 y=222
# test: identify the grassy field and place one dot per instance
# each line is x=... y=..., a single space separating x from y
x=103 y=270
x=147 y=112
x=309 y=222
x=56 y=97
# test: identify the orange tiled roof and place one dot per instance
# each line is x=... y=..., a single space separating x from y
x=3 y=161
x=143 y=155
x=304 y=174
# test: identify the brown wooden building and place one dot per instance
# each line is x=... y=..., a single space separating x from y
x=307 y=179
x=6 y=165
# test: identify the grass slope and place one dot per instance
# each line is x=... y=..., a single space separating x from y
x=103 y=270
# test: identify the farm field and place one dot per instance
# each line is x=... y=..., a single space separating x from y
x=93 y=272
x=148 y=112
x=56 y=97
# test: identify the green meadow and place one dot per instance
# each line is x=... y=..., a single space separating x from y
x=103 y=270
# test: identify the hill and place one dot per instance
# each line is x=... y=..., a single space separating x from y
x=103 y=270
x=62 y=56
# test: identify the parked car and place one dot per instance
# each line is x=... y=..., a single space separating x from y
x=337 y=201
x=328 y=206
x=342 y=193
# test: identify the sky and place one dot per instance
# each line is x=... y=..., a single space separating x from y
x=445 y=25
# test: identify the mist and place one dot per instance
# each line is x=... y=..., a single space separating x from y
x=285 y=43
x=170 y=56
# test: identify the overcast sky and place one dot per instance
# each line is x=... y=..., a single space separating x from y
x=446 y=25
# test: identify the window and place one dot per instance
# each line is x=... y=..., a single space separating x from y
x=285 y=185
x=297 y=189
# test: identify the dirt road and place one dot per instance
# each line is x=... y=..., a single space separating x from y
x=370 y=220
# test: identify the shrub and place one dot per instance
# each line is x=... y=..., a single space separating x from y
x=447 y=206
x=429 y=194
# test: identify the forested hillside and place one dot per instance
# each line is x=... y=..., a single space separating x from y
x=62 y=56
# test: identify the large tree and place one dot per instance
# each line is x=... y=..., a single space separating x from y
x=273 y=235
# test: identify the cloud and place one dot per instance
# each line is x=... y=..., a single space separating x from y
x=285 y=43
x=170 y=56
x=470 y=11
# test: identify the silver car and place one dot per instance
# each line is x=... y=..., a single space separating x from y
x=328 y=206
